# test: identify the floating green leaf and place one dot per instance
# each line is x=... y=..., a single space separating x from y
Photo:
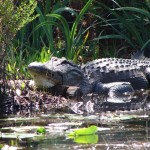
x=1 y=145
x=85 y=131
x=41 y=130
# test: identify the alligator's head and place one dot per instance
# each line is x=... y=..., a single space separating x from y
x=54 y=72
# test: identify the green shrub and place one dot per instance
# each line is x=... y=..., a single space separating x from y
x=12 y=18
x=129 y=25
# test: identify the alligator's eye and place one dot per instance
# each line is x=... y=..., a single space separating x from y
x=64 y=62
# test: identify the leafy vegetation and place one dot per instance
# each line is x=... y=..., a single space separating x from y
x=128 y=24
x=33 y=30
x=73 y=41
x=41 y=130
x=84 y=131
x=18 y=61
x=62 y=29
x=12 y=18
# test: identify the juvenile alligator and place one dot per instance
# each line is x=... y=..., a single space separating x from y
x=106 y=75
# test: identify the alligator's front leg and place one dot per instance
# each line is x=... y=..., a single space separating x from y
x=116 y=91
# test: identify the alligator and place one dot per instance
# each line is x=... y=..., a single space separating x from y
x=105 y=75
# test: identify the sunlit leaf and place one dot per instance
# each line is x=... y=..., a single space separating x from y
x=41 y=130
x=85 y=131
x=1 y=145
x=23 y=85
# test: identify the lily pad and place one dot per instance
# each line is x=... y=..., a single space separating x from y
x=41 y=130
x=84 y=131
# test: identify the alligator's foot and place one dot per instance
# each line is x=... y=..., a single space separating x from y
x=117 y=91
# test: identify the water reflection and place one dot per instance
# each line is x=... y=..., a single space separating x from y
x=101 y=103
x=125 y=125
x=131 y=133
x=89 y=104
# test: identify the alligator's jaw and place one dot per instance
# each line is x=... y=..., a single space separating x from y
x=42 y=78
x=42 y=82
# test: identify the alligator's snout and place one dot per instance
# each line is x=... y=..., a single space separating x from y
x=43 y=76
x=35 y=67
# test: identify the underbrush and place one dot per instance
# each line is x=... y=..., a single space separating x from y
x=19 y=59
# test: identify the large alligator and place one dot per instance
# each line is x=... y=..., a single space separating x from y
x=106 y=75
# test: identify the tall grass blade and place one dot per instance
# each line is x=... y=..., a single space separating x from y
x=47 y=29
x=65 y=29
x=75 y=25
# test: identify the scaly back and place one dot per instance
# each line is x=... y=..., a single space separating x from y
x=108 y=70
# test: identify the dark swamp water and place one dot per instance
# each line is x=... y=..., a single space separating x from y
x=122 y=126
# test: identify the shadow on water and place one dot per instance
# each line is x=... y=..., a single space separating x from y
x=121 y=125
x=6 y=105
